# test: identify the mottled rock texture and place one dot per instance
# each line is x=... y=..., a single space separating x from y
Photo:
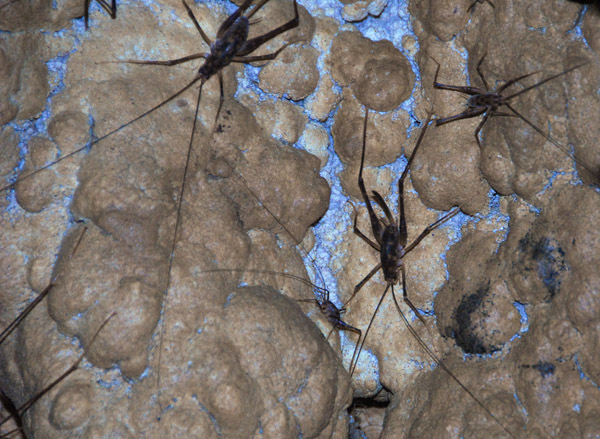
x=214 y=352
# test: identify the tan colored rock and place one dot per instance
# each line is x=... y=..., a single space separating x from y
x=9 y=155
x=282 y=119
x=19 y=16
x=218 y=349
x=388 y=80
x=25 y=79
x=276 y=78
x=325 y=99
x=316 y=141
x=129 y=196
x=444 y=20
x=385 y=134
x=360 y=9
x=32 y=193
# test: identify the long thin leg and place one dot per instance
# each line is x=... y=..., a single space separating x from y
x=177 y=225
x=365 y=238
x=168 y=62
x=249 y=59
x=205 y=153
x=66 y=156
x=86 y=14
x=595 y=175
x=401 y=224
x=252 y=44
x=383 y=205
x=459 y=88
x=435 y=358
x=467 y=114
x=193 y=18
x=375 y=223
x=550 y=78
x=10 y=328
x=481 y=124
x=111 y=9
x=405 y=295
x=22 y=409
x=352 y=362
x=256 y=9
x=430 y=228
x=485 y=84
x=366 y=279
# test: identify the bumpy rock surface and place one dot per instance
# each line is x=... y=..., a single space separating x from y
x=188 y=354
x=229 y=353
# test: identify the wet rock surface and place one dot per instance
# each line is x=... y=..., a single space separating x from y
x=214 y=352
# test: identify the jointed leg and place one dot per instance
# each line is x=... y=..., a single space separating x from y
x=401 y=216
x=111 y=9
x=193 y=18
x=405 y=295
x=169 y=62
x=480 y=126
x=375 y=223
x=352 y=362
x=459 y=88
x=467 y=114
x=430 y=228
x=267 y=57
x=550 y=78
x=383 y=205
x=374 y=245
x=251 y=45
x=363 y=282
x=487 y=88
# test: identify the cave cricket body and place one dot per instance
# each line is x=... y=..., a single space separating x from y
x=390 y=234
x=391 y=242
x=482 y=101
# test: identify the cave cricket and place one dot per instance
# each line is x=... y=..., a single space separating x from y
x=391 y=242
x=482 y=101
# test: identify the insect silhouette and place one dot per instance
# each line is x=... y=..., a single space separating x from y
x=110 y=8
x=484 y=102
x=390 y=234
x=231 y=45
x=332 y=313
x=322 y=301
x=391 y=242
x=18 y=412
